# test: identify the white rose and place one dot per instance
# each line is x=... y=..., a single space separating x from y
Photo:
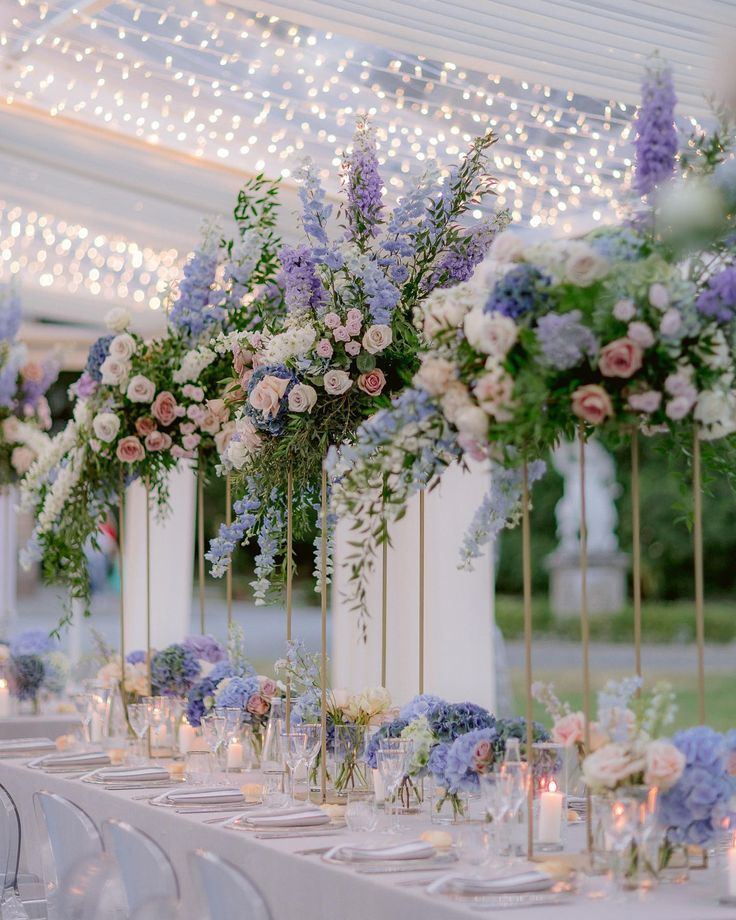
x=492 y=333
x=338 y=382
x=472 y=421
x=118 y=319
x=435 y=375
x=302 y=398
x=584 y=266
x=715 y=411
x=114 y=372
x=122 y=347
x=243 y=446
x=106 y=426
x=718 y=356
x=455 y=400
x=141 y=389
x=610 y=766
x=443 y=309
x=507 y=247
x=377 y=339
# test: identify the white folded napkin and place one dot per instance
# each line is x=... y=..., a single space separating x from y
x=26 y=745
x=414 y=849
x=287 y=817
x=508 y=883
x=80 y=759
x=211 y=795
x=133 y=773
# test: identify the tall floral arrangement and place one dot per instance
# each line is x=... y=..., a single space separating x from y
x=142 y=407
x=626 y=328
x=347 y=342
x=24 y=412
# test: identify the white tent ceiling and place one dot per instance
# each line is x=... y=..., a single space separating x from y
x=129 y=120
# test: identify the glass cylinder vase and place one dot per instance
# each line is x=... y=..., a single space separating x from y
x=349 y=772
x=447 y=807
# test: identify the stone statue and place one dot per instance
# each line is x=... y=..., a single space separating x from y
x=601 y=491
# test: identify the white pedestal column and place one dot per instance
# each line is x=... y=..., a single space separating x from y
x=8 y=560
x=459 y=623
x=172 y=548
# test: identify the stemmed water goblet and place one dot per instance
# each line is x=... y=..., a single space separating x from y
x=294 y=747
x=84 y=703
x=314 y=741
x=392 y=758
x=138 y=717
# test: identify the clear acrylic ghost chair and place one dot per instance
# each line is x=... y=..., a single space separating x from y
x=228 y=894
x=145 y=870
x=68 y=837
x=93 y=891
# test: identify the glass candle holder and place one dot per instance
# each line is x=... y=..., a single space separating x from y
x=726 y=865
x=549 y=778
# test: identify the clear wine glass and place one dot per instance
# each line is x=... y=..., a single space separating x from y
x=84 y=704
x=294 y=746
x=138 y=717
x=214 y=729
x=496 y=791
x=392 y=758
x=314 y=742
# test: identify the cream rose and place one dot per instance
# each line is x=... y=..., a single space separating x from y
x=11 y=428
x=21 y=459
x=222 y=438
x=473 y=422
x=455 y=399
x=122 y=347
x=494 y=392
x=106 y=426
x=715 y=412
x=611 y=765
x=584 y=266
x=507 y=247
x=130 y=450
x=266 y=395
x=569 y=730
x=377 y=339
x=118 y=319
x=114 y=372
x=141 y=389
x=664 y=764
x=620 y=358
x=338 y=382
x=435 y=375
x=592 y=404
x=302 y=398
x=492 y=333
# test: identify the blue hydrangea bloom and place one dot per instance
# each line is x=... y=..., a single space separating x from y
x=450 y=720
x=522 y=290
x=32 y=642
x=174 y=670
x=419 y=706
x=98 y=351
x=391 y=730
x=460 y=767
x=718 y=299
x=196 y=707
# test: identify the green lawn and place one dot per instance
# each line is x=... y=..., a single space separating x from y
x=720 y=711
x=661 y=622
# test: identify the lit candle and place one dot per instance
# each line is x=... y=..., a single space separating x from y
x=731 y=858
x=550 y=814
x=234 y=755
x=187 y=736
x=4 y=699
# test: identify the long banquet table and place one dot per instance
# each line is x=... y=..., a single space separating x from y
x=299 y=887
x=40 y=726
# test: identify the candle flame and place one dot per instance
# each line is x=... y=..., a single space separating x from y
x=618 y=809
x=552 y=787
x=3 y=683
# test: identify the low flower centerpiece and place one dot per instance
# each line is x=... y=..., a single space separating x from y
x=36 y=666
x=347 y=342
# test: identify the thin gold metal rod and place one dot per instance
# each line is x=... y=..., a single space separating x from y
x=323 y=593
x=699 y=585
x=200 y=538
x=229 y=573
x=384 y=600
x=636 y=547
x=421 y=590
x=121 y=567
x=148 y=599
x=527 y=584
x=584 y=621
x=289 y=576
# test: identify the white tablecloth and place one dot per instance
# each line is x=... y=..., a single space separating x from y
x=305 y=888
x=40 y=726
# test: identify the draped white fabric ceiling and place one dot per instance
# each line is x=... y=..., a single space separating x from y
x=124 y=121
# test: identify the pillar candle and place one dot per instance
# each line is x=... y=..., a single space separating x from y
x=550 y=816
x=4 y=699
x=234 y=755
x=187 y=735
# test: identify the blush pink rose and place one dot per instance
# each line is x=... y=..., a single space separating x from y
x=245 y=377
x=130 y=450
x=268 y=686
x=187 y=428
x=353 y=326
x=341 y=334
x=569 y=730
x=641 y=333
x=144 y=426
x=158 y=440
x=665 y=764
x=611 y=765
x=182 y=454
x=372 y=383
x=242 y=359
x=164 y=408
x=647 y=402
x=354 y=315
x=331 y=320
x=592 y=404
x=482 y=756
x=222 y=438
x=190 y=441
x=353 y=348
x=32 y=372
x=258 y=705
x=324 y=348
x=471 y=447
x=267 y=395
x=621 y=358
